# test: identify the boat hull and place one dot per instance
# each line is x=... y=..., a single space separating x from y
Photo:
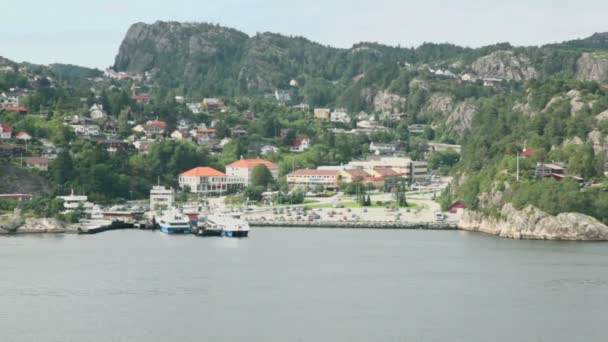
x=175 y=230
x=235 y=233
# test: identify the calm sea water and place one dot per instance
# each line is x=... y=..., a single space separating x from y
x=301 y=285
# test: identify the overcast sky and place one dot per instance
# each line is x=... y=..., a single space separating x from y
x=89 y=32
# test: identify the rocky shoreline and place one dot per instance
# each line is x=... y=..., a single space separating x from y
x=20 y=225
x=534 y=224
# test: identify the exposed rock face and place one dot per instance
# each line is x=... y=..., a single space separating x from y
x=386 y=102
x=505 y=65
x=592 y=67
x=576 y=102
x=458 y=116
x=461 y=117
x=31 y=225
x=600 y=143
x=534 y=224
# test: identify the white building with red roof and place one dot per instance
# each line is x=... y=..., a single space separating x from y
x=300 y=144
x=22 y=135
x=5 y=131
x=244 y=167
x=209 y=181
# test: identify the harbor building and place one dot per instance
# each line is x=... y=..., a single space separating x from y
x=414 y=171
x=308 y=177
x=244 y=167
x=210 y=182
x=161 y=198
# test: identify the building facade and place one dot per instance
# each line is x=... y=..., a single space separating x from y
x=243 y=169
x=328 y=179
x=209 y=182
x=161 y=198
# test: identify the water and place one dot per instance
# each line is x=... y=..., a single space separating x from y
x=301 y=285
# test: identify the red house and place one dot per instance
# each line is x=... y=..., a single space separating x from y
x=458 y=205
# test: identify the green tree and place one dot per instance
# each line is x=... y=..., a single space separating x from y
x=261 y=176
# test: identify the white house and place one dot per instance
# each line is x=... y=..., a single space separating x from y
x=300 y=144
x=244 y=167
x=268 y=149
x=340 y=116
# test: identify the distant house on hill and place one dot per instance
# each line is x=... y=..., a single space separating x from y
x=39 y=163
x=300 y=144
x=6 y=131
x=22 y=135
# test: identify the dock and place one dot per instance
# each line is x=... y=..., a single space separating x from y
x=96 y=227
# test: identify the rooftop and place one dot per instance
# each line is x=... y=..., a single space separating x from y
x=251 y=163
x=312 y=172
x=202 y=171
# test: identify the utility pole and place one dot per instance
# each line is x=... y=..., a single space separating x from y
x=517 y=176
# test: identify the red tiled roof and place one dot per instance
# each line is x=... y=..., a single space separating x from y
x=386 y=172
x=157 y=123
x=36 y=160
x=528 y=153
x=309 y=172
x=6 y=128
x=203 y=171
x=16 y=108
x=298 y=141
x=251 y=163
x=356 y=173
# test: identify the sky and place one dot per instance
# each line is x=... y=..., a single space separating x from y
x=89 y=33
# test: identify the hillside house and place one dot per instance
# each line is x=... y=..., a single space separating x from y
x=38 y=163
x=340 y=115
x=155 y=129
x=6 y=132
x=23 y=136
x=380 y=149
x=457 y=207
x=238 y=131
x=213 y=104
x=322 y=113
x=300 y=144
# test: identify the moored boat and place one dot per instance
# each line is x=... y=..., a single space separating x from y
x=174 y=222
x=229 y=226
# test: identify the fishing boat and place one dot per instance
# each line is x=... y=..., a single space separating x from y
x=208 y=228
x=174 y=222
x=229 y=226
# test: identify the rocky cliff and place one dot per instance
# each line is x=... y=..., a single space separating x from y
x=592 y=67
x=505 y=65
x=534 y=224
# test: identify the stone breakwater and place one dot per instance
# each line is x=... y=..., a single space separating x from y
x=19 y=225
x=356 y=225
x=534 y=224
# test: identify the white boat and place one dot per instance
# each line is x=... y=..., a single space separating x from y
x=174 y=222
x=230 y=226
